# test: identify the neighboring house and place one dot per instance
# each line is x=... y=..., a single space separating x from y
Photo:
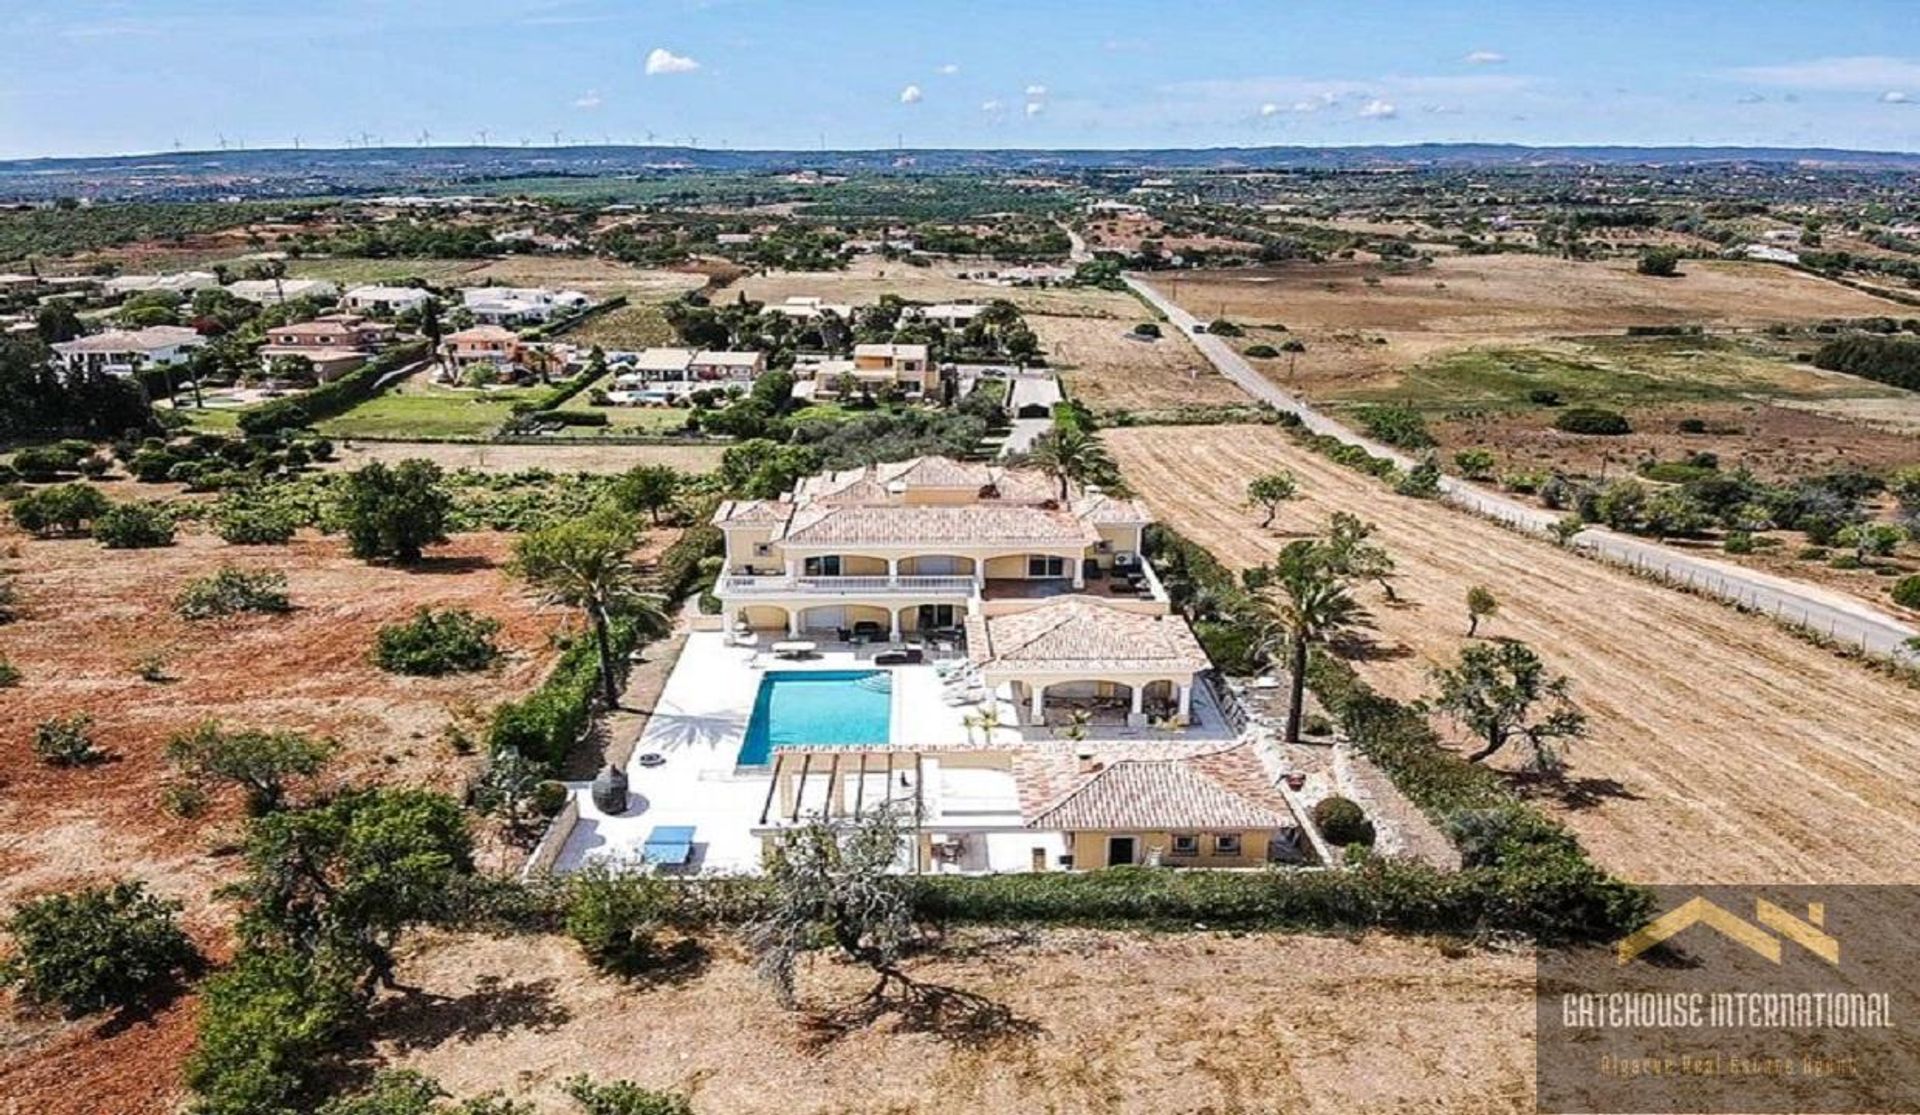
x=875 y=366
x=271 y=292
x=728 y=239
x=488 y=344
x=1051 y=596
x=334 y=344
x=122 y=351
x=1769 y=254
x=182 y=283
x=502 y=305
x=945 y=313
x=652 y=365
x=806 y=308
x=388 y=301
x=731 y=367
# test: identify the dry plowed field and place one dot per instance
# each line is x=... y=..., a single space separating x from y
x=1722 y=748
x=1113 y=1023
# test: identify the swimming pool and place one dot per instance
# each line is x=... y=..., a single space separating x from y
x=831 y=707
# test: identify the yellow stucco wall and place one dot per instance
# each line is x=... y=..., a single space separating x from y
x=1090 y=849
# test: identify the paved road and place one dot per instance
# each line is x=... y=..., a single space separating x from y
x=1842 y=618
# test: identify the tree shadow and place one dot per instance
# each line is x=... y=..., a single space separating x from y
x=157 y=1000
x=659 y=965
x=422 y=1020
x=949 y=1014
x=1360 y=648
x=1575 y=794
x=448 y=564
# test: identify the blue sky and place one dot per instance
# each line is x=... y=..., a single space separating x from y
x=93 y=77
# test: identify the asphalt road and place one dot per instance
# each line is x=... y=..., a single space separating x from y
x=1841 y=618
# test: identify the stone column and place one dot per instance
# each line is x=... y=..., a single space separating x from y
x=1039 y=703
x=1186 y=702
x=893 y=625
x=893 y=571
x=793 y=623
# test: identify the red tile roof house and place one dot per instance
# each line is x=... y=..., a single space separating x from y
x=334 y=344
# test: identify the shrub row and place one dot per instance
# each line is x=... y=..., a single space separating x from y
x=1888 y=360
x=545 y=724
x=1550 y=901
x=329 y=399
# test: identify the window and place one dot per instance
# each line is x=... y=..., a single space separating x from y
x=1039 y=565
x=1185 y=844
x=823 y=566
x=1226 y=844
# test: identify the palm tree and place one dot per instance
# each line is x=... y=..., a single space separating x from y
x=1306 y=602
x=1072 y=456
x=585 y=564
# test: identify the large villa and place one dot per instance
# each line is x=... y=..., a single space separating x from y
x=956 y=642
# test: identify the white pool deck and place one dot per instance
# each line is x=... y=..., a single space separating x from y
x=701 y=719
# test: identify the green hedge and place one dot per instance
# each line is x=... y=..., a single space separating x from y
x=545 y=724
x=678 y=574
x=329 y=399
x=1550 y=900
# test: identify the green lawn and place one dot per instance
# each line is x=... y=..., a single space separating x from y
x=626 y=420
x=430 y=412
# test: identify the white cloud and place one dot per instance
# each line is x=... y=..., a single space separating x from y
x=1035 y=108
x=910 y=95
x=660 y=60
x=1378 y=109
x=1894 y=97
x=991 y=106
x=1036 y=90
x=589 y=99
x=1863 y=73
x=1269 y=109
x=950 y=69
x=1484 y=58
x=1749 y=99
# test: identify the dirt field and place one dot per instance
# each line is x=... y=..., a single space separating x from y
x=88 y=615
x=869 y=277
x=602 y=277
x=1478 y=332
x=91 y=613
x=1722 y=749
x=1107 y=370
x=1126 y=1023
x=514 y=458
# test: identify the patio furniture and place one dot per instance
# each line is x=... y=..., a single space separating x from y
x=610 y=791
x=866 y=630
x=911 y=656
x=797 y=648
x=669 y=845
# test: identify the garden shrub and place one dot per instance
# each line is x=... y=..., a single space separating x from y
x=232 y=591
x=62 y=509
x=614 y=915
x=438 y=642
x=9 y=673
x=1399 y=426
x=94 y=949
x=45 y=462
x=1262 y=352
x=1906 y=592
x=266 y=1026
x=255 y=526
x=1342 y=821
x=66 y=741
x=624 y=1097
x=1593 y=421
x=546 y=723
x=134 y=526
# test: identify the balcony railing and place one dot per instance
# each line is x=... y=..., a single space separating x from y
x=735 y=584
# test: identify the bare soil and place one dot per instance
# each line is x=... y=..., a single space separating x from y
x=88 y=615
x=1110 y=1023
x=1108 y=369
x=1722 y=748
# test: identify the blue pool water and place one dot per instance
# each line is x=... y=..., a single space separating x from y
x=835 y=707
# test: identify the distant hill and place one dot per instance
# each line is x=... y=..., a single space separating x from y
x=188 y=175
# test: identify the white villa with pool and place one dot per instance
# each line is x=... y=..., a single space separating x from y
x=955 y=642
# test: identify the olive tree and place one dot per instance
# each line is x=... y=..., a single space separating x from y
x=834 y=888
x=393 y=514
x=95 y=949
x=1503 y=692
x=1270 y=491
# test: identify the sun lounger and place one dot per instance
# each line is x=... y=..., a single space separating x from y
x=793 y=649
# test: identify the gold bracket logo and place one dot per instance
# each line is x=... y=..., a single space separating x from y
x=1756 y=938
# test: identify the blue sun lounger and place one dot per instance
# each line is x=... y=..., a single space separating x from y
x=669 y=845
